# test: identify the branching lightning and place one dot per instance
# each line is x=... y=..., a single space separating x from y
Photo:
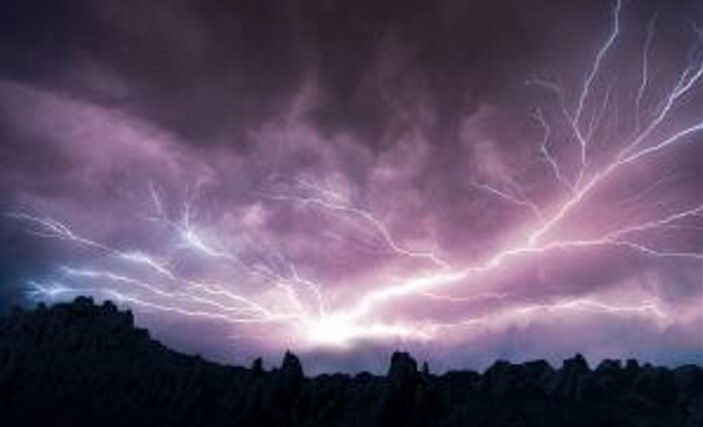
x=276 y=293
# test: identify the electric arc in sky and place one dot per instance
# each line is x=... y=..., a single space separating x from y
x=588 y=194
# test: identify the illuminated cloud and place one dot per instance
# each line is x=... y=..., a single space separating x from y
x=532 y=220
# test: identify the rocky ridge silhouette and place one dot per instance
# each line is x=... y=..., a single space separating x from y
x=80 y=364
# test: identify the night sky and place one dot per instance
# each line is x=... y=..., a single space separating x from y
x=467 y=180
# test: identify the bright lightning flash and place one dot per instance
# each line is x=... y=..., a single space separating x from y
x=267 y=288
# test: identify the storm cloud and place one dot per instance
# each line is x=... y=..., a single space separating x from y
x=357 y=146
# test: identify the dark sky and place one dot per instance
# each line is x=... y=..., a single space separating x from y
x=360 y=146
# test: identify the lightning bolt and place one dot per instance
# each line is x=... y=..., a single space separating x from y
x=335 y=202
x=273 y=291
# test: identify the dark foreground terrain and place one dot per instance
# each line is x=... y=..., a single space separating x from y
x=83 y=364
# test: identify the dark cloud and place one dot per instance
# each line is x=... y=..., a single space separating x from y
x=209 y=69
x=212 y=69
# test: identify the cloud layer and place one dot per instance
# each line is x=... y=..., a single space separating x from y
x=361 y=174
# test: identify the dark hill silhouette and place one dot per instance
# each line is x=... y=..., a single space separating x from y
x=84 y=364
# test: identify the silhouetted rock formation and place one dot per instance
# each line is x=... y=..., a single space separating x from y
x=82 y=364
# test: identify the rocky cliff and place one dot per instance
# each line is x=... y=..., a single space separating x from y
x=85 y=364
